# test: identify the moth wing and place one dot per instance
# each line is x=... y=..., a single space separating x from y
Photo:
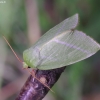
x=67 y=24
x=32 y=55
x=67 y=48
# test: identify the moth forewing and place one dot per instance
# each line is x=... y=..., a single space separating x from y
x=29 y=54
x=34 y=57
x=54 y=39
x=67 y=24
x=67 y=48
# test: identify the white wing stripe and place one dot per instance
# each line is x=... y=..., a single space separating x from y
x=70 y=45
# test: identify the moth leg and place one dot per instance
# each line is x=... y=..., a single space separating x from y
x=33 y=71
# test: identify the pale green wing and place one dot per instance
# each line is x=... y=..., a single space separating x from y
x=60 y=46
x=67 y=48
x=67 y=24
x=32 y=55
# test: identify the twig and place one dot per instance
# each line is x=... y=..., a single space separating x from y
x=34 y=90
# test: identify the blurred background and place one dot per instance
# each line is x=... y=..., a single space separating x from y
x=22 y=22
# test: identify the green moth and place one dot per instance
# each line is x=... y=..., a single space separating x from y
x=60 y=46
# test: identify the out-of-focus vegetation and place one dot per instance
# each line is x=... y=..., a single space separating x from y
x=22 y=21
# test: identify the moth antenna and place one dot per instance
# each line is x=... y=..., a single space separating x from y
x=26 y=68
x=13 y=50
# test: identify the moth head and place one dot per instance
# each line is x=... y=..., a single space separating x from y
x=25 y=65
x=28 y=59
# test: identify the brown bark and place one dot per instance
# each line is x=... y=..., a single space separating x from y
x=34 y=90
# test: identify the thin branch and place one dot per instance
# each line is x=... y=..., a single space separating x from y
x=34 y=90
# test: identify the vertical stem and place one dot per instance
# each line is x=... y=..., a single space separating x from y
x=32 y=20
